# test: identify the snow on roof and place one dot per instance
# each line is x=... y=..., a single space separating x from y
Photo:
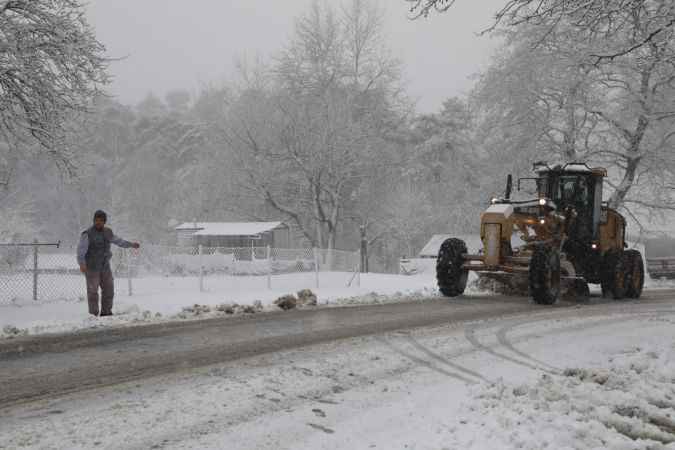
x=228 y=228
x=433 y=245
x=569 y=167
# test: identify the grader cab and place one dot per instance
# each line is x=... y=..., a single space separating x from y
x=551 y=245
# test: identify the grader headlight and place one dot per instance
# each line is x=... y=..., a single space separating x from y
x=547 y=204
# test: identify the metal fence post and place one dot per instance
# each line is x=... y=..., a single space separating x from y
x=35 y=270
x=355 y=270
x=269 y=268
x=201 y=268
x=127 y=255
x=358 y=277
x=316 y=266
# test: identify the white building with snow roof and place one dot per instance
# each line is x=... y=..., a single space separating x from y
x=234 y=234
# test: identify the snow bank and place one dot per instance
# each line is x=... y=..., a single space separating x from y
x=628 y=404
x=178 y=298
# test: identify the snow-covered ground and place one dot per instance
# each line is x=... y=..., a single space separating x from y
x=552 y=380
x=165 y=298
x=174 y=298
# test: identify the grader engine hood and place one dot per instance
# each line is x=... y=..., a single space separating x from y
x=534 y=221
x=496 y=227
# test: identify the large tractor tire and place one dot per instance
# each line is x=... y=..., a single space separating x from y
x=635 y=279
x=449 y=273
x=614 y=274
x=544 y=275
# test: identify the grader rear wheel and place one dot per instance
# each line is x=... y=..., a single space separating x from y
x=615 y=274
x=449 y=273
x=635 y=279
x=544 y=275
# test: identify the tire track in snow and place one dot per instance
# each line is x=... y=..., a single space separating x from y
x=535 y=363
x=444 y=361
x=504 y=341
x=470 y=335
x=429 y=364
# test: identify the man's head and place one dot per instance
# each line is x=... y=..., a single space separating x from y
x=100 y=218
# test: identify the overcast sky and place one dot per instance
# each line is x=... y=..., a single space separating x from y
x=170 y=44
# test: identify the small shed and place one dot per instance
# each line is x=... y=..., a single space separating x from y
x=425 y=261
x=433 y=245
x=234 y=234
x=659 y=254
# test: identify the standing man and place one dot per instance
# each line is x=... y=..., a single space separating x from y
x=93 y=256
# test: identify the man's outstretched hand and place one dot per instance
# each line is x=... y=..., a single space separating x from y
x=83 y=268
x=136 y=245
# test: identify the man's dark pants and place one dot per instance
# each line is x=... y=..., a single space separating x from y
x=104 y=280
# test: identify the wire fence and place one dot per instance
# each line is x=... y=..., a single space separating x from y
x=49 y=272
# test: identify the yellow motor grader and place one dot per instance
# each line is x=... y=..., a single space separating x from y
x=553 y=245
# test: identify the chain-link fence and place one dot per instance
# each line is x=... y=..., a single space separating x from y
x=215 y=265
x=45 y=272
x=48 y=272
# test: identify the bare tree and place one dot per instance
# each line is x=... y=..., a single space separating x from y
x=50 y=68
x=307 y=140
x=301 y=159
x=599 y=18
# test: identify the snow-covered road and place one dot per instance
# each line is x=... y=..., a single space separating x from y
x=600 y=376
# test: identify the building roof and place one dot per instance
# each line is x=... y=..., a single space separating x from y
x=228 y=228
x=473 y=243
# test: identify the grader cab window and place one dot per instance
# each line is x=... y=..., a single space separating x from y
x=576 y=191
x=573 y=191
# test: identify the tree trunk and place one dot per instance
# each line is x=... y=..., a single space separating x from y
x=318 y=214
x=619 y=195
x=633 y=155
x=569 y=136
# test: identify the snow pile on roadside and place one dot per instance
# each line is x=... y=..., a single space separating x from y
x=373 y=298
x=661 y=283
x=422 y=294
x=629 y=404
x=133 y=315
x=31 y=318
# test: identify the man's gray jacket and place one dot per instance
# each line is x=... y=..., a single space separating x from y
x=94 y=248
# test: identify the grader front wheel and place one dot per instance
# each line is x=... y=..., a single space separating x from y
x=449 y=273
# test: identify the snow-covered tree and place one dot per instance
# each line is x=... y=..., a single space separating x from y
x=548 y=98
x=51 y=65
x=599 y=19
x=307 y=140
